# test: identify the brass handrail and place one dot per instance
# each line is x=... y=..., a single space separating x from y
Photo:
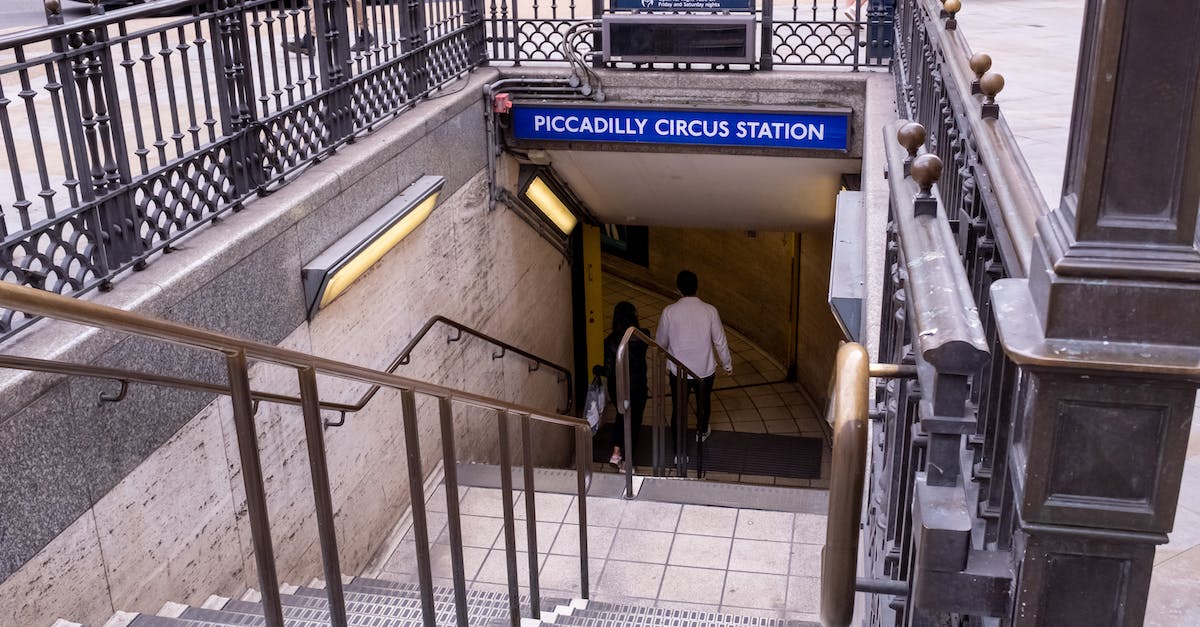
x=661 y=356
x=839 y=557
x=404 y=356
x=237 y=352
x=848 y=406
x=46 y=304
x=125 y=376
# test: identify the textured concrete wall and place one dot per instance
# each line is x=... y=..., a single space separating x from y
x=818 y=333
x=128 y=505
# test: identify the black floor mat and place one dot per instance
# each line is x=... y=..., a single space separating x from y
x=732 y=452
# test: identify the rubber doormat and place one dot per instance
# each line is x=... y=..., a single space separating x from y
x=732 y=452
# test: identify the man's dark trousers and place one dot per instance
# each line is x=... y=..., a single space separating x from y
x=702 y=389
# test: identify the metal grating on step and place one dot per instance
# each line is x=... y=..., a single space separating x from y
x=599 y=614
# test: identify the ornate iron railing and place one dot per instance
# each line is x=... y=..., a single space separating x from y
x=124 y=132
x=983 y=201
x=806 y=33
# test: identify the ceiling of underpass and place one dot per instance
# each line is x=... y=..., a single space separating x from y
x=720 y=191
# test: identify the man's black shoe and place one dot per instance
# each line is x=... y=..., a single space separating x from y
x=365 y=39
x=303 y=46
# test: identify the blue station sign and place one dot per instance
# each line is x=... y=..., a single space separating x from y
x=683 y=5
x=746 y=128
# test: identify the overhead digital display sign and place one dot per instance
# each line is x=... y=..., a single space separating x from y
x=812 y=130
x=683 y=5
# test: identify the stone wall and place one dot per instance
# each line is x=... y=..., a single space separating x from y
x=127 y=505
x=818 y=334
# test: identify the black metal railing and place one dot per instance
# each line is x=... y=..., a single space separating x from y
x=982 y=199
x=535 y=362
x=123 y=132
x=239 y=353
x=804 y=33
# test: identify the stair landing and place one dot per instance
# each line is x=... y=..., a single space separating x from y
x=666 y=555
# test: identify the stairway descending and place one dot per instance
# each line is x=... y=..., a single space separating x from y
x=369 y=602
x=380 y=603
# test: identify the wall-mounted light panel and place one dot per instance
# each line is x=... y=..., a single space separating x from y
x=334 y=270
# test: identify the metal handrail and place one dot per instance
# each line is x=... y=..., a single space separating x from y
x=947 y=319
x=125 y=377
x=839 y=557
x=238 y=351
x=848 y=407
x=683 y=373
x=1021 y=201
x=404 y=357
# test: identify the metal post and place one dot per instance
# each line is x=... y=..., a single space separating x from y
x=661 y=416
x=333 y=53
x=252 y=479
x=74 y=120
x=413 y=25
x=453 y=517
x=235 y=94
x=681 y=423
x=582 y=460
x=1099 y=431
x=623 y=403
x=416 y=490
x=535 y=601
x=597 y=35
x=510 y=534
x=766 y=55
x=315 y=438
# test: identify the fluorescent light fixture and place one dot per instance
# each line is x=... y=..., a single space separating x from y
x=333 y=271
x=544 y=198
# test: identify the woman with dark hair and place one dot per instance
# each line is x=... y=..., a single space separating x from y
x=624 y=317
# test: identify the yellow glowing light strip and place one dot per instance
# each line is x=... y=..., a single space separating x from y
x=545 y=200
x=360 y=263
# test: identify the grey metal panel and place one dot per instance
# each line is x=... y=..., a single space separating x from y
x=847 y=272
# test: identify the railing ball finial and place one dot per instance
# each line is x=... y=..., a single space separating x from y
x=991 y=84
x=980 y=63
x=951 y=8
x=912 y=137
x=53 y=11
x=926 y=170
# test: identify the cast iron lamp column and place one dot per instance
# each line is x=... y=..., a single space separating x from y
x=1104 y=328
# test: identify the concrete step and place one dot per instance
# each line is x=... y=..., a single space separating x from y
x=383 y=603
x=661 y=489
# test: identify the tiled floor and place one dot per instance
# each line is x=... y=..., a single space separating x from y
x=756 y=399
x=678 y=556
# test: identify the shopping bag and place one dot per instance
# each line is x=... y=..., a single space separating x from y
x=593 y=405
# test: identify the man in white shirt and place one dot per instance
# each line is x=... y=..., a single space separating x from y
x=689 y=329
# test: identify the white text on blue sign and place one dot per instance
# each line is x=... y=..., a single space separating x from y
x=732 y=128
